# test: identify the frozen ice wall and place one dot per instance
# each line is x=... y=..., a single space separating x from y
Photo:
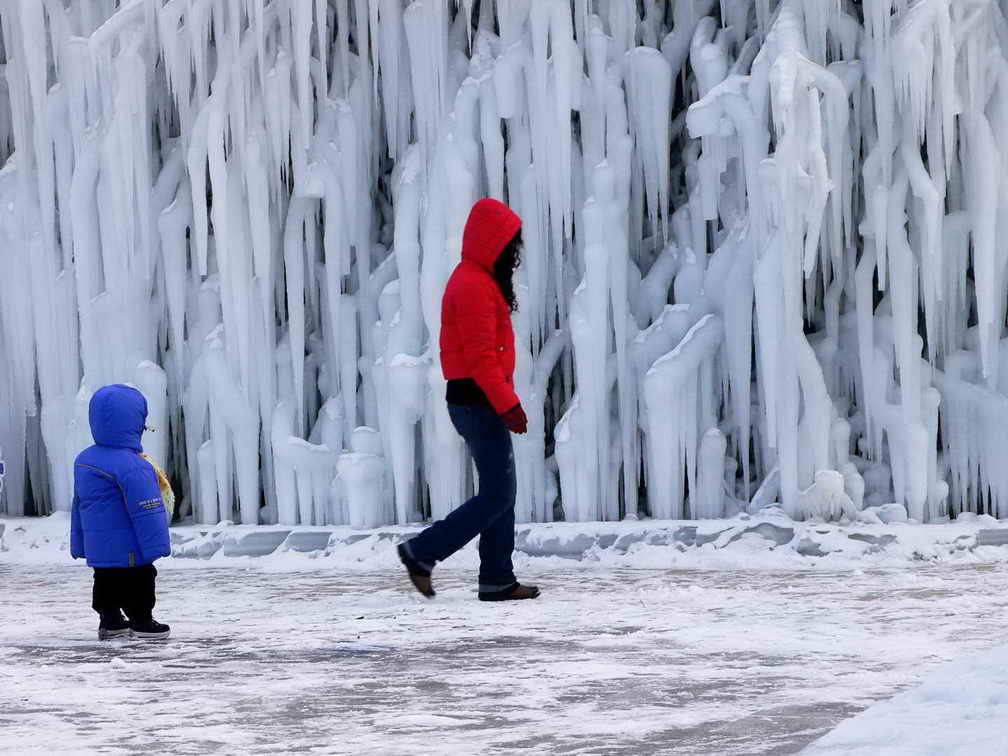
x=764 y=249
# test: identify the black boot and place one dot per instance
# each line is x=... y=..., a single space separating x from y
x=420 y=576
x=112 y=625
x=516 y=592
x=147 y=627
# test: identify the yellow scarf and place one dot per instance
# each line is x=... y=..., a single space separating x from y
x=167 y=495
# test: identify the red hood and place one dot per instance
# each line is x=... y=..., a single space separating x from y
x=490 y=227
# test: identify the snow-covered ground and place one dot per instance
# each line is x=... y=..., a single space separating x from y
x=767 y=541
x=960 y=709
x=297 y=654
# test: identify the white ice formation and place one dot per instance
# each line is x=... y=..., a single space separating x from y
x=761 y=249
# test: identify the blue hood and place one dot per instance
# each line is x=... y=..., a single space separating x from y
x=117 y=414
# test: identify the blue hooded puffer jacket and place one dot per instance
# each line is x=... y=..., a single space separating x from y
x=118 y=518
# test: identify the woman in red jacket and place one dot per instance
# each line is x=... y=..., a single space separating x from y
x=478 y=360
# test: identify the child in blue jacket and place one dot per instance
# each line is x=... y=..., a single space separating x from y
x=118 y=520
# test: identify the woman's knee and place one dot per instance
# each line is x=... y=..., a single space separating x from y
x=498 y=492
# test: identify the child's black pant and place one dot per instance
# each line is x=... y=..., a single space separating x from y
x=128 y=588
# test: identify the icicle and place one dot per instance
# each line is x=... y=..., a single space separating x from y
x=649 y=89
x=263 y=200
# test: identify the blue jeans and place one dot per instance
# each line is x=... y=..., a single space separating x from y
x=490 y=513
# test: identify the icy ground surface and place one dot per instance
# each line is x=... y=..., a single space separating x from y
x=609 y=661
x=959 y=710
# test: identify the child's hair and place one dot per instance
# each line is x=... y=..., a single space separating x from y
x=504 y=268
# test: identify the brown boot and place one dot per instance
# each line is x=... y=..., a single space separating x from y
x=516 y=592
x=420 y=577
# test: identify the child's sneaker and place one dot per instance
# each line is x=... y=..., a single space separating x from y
x=113 y=625
x=150 y=629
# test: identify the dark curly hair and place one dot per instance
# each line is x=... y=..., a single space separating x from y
x=504 y=268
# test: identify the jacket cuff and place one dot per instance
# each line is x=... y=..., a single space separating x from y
x=503 y=400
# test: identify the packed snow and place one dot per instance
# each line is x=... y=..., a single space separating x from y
x=959 y=710
x=743 y=636
x=761 y=250
x=266 y=660
x=767 y=542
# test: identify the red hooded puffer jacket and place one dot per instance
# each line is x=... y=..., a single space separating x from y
x=476 y=337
